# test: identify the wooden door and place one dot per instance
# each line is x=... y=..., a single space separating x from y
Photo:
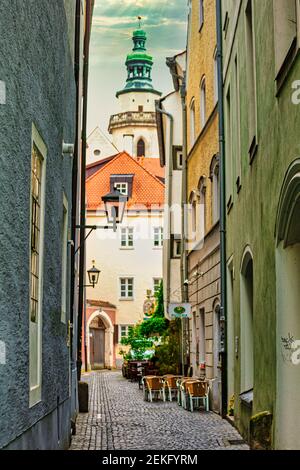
x=97 y=348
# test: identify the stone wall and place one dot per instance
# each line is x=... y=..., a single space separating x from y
x=37 y=68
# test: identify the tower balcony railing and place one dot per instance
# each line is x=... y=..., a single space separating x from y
x=132 y=118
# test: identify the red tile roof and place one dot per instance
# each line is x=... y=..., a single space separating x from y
x=153 y=166
x=93 y=167
x=147 y=189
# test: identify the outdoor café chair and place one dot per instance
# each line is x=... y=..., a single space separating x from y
x=153 y=385
x=171 y=384
x=198 y=391
x=184 y=391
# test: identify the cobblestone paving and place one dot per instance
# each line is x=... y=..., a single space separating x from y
x=119 y=418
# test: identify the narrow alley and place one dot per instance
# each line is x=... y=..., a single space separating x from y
x=119 y=419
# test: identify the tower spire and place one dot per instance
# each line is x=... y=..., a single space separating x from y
x=139 y=64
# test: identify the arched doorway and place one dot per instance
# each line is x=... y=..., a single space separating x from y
x=287 y=424
x=246 y=320
x=100 y=333
x=97 y=343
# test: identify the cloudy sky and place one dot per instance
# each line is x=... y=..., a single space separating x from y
x=113 y=23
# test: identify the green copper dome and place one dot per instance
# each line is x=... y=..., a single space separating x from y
x=139 y=66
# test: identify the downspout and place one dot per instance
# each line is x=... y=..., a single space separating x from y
x=75 y=193
x=88 y=15
x=158 y=109
x=223 y=311
x=184 y=268
x=184 y=263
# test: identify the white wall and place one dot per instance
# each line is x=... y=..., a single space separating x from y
x=172 y=104
x=131 y=101
x=98 y=141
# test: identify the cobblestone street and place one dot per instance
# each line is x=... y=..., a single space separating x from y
x=119 y=418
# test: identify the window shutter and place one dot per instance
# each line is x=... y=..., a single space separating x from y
x=116 y=334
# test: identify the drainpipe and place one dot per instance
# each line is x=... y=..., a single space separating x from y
x=88 y=15
x=223 y=312
x=184 y=266
x=184 y=261
x=75 y=192
x=159 y=110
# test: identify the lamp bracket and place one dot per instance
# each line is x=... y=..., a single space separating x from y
x=94 y=227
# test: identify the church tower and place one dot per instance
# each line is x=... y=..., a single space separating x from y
x=134 y=128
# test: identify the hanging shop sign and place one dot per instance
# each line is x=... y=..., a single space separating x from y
x=149 y=307
x=180 y=310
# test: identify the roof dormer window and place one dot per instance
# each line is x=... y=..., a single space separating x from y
x=122 y=183
x=122 y=188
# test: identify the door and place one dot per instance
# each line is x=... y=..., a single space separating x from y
x=97 y=345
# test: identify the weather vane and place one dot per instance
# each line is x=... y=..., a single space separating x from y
x=140 y=19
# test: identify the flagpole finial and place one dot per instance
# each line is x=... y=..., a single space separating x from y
x=140 y=19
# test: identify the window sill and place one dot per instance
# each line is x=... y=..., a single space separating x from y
x=229 y=204
x=253 y=150
x=126 y=248
x=238 y=185
x=126 y=299
x=287 y=66
x=157 y=248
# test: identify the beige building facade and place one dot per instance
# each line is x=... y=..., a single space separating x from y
x=203 y=190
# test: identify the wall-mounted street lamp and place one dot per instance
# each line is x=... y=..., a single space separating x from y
x=114 y=203
x=93 y=274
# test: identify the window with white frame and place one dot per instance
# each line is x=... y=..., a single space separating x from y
x=126 y=288
x=203 y=102
x=122 y=188
x=156 y=285
x=127 y=237
x=64 y=261
x=124 y=331
x=38 y=162
x=158 y=236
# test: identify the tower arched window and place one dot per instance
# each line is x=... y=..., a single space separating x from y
x=141 y=148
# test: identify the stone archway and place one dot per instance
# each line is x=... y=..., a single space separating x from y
x=287 y=426
x=108 y=338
